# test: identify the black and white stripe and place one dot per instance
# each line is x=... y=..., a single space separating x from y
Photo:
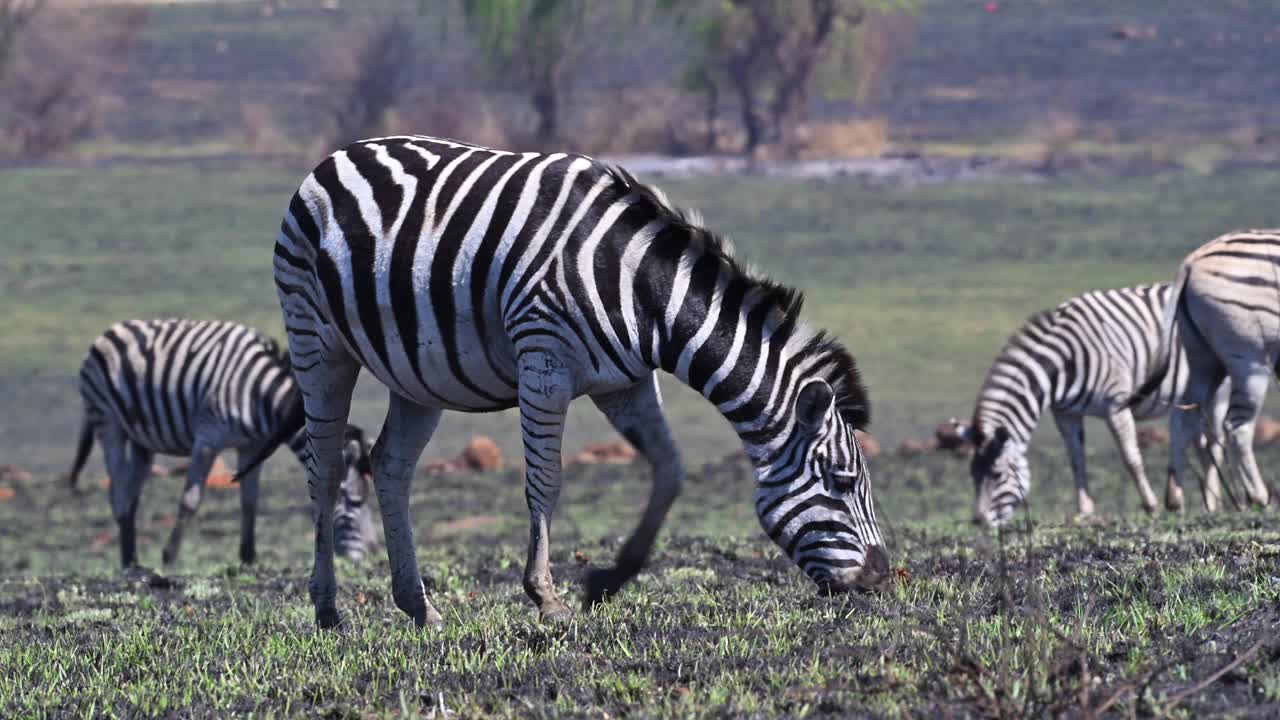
x=1086 y=357
x=187 y=387
x=471 y=279
x=1225 y=306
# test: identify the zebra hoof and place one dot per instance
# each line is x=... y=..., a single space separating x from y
x=328 y=619
x=555 y=613
x=602 y=584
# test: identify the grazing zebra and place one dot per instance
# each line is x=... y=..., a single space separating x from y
x=472 y=279
x=1084 y=357
x=180 y=387
x=1225 y=306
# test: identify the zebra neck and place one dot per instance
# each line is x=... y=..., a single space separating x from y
x=754 y=388
x=1016 y=407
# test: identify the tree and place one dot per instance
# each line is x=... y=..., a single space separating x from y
x=766 y=52
x=536 y=45
x=376 y=72
x=54 y=66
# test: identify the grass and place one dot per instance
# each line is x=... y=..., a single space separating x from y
x=720 y=624
x=923 y=284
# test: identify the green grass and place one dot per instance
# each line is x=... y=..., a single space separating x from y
x=923 y=284
x=720 y=624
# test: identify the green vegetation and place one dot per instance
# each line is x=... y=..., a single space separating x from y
x=922 y=283
x=721 y=624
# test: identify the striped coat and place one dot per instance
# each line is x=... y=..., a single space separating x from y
x=471 y=279
x=188 y=387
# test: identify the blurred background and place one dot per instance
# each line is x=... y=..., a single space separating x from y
x=931 y=172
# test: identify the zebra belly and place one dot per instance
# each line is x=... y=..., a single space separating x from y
x=452 y=369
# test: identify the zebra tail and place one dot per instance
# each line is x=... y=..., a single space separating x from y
x=1165 y=350
x=295 y=419
x=82 y=452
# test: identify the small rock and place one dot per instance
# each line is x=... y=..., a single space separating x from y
x=916 y=447
x=14 y=474
x=1267 y=431
x=869 y=445
x=481 y=454
x=1152 y=437
x=951 y=435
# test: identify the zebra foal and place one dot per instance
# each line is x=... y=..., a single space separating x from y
x=1086 y=357
x=471 y=279
x=187 y=387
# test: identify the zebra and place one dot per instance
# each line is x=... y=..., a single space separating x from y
x=191 y=387
x=1084 y=357
x=470 y=279
x=1225 y=305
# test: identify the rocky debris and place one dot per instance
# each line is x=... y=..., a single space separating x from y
x=617 y=452
x=914 y=446
x=1134 y=32
x=443 y=467
x=869 y=445
x=481 y=454
x=1152 y=437
x=14 y=474
x=951 y=435
x=220 y=474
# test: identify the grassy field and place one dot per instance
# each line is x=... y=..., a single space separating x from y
x=923 y=284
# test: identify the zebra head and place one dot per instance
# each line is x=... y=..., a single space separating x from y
x=1001 y=476
x=353 y=518
x=814 y=501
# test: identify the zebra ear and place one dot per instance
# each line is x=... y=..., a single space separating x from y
x=1000 y=437
x=814 y=401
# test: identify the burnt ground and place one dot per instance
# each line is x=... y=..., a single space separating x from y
x=1121 y=616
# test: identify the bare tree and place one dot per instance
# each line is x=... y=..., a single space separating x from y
x=766 y=52
x=54 y=67
x=535 y=46
x=377 y=73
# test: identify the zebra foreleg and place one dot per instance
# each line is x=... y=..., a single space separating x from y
x=636 y=413
x=405 y=433
x=202 y=457
x=546 y=388
x=1126 y=437
x=1071 y=427
x=248 y=511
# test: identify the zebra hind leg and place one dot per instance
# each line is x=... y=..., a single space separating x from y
x=405 y=433
x=636 y=413
x=1248 y=391
x=121 y=458
x=326 y=388
x=248 y=511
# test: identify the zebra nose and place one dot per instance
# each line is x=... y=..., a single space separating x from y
x=871 y=576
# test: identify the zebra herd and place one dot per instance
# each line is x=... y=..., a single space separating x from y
x=1208 y=341
x=469 y=279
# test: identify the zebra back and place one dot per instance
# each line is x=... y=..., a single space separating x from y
x=1079 y=357
x=165 y=381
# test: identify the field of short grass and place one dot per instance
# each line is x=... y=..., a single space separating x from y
x=1126 y=615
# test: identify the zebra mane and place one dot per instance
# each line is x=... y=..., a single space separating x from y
x=830 y=360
